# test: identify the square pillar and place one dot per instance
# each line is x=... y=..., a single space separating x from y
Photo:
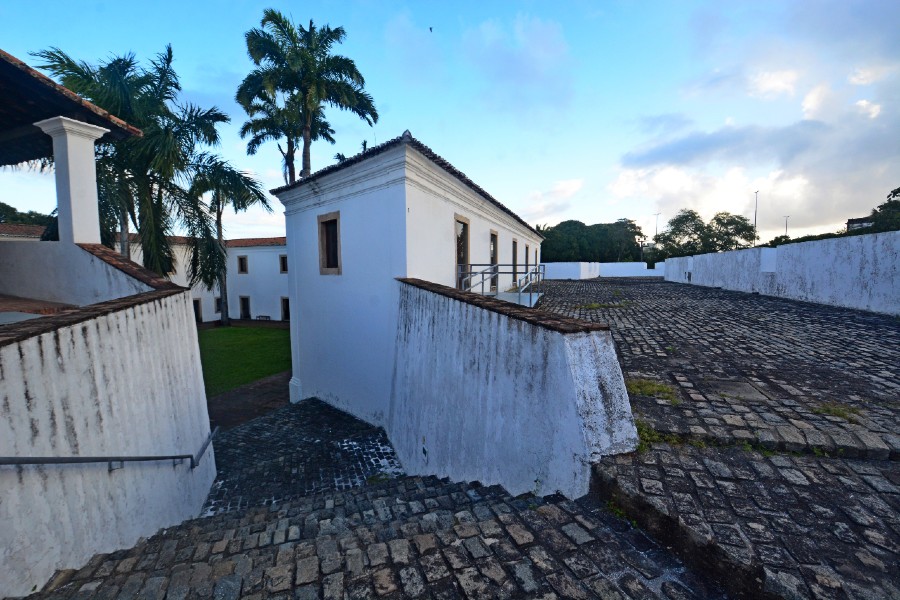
x=76 y=178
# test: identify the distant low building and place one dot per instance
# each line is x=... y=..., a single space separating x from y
x=860 y=223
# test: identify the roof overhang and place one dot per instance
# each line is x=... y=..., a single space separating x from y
x=30 y=96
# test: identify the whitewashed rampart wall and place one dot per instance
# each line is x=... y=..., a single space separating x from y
x=860 y=272
x=589 y=270
x=125 y=383
x=478 y=395
x=61 y=272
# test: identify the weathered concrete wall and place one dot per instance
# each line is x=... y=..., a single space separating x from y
x=855 y=272
x=61 y=272
x=126 y=383
x=589 y=270
x=478 y=395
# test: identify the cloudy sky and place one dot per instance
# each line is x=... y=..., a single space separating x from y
x=562 y=110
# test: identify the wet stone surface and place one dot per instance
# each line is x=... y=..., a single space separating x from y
x=775 y=463
x=294 y=451
x=405 y=538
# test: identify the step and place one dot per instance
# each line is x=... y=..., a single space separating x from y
x=409 y=537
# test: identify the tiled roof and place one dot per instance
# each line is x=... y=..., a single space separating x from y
x=30 y=96
x=248 y=242
x=238 y=243
x=21 y=230
x=430 y=154
x=113 y=258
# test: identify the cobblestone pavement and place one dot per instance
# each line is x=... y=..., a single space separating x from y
x=405 y=538
x=774 y=460
x=294 y=451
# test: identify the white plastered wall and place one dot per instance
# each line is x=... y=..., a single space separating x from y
x=263 y=283
x=343 y=327
x=61 y=272
x=127 y=383
x=480 y=396
x=434 y=198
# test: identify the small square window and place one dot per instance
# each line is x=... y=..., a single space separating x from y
x=330 y=243
x=282 y=263
x=242 y=264
x=218 y=305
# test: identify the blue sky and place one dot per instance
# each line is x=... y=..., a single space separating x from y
x=567 y=110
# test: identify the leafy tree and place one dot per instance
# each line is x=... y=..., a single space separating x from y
x=271 y=122
x=297 y=61
x=573 y=241
x=886 y=216
x=149 y=180
x=9 y=214
x=686 y=234
x=226 y=187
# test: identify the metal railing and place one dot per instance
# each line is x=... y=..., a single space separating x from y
x=469 y=277
x=115 y=462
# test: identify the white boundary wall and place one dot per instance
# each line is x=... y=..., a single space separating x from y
x=62 y=272
x=860 y=272
x=125 y=383
x=478 y=395
x=589 y=270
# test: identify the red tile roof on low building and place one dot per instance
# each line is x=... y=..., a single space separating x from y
x=21 y=230
x=250 y=242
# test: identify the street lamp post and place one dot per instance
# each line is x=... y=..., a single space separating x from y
x=786 y=217
x=755 y=210
x=656 y=233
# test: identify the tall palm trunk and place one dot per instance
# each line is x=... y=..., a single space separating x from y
x=307 y=142
x=289 y=159
x=124 y=241
x=223 y=274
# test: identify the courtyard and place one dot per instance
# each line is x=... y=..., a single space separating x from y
x=769 y=440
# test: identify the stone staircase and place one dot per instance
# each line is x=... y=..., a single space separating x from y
x=310 y=503
x=409 y=537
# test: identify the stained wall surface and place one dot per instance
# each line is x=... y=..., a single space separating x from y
x=126 y=383
x=589 y=270
x=479 y=395
x=860 y=272
x=61 y=272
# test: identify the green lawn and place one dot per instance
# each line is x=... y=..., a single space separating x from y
x=233 y=356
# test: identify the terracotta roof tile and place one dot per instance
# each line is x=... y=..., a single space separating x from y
x=407 y=138
x=248 y=242
x=113 y=258
x=21 y=230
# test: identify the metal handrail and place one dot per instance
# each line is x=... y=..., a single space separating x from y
x=69 y=460
x=466 y=274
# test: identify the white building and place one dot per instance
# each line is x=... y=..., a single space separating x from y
x=113 y=371
x=375 y=245
x=257 y=279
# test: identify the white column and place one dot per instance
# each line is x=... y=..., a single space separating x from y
x=76 y=178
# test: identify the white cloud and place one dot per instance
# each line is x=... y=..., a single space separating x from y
x=815 y=100
x=549 y=205
x=870 y=75
x=771 y=84
x=868 y=108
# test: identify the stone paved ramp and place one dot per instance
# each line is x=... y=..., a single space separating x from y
x=309 y=504
x=774 y=462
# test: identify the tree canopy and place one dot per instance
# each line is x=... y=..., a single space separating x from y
x=9 y=214
x=687 y=234
x=149 y=180
x=296 y=76
x=573 y=241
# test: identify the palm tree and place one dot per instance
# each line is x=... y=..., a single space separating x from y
x=297 y=62
x=227 y=187
x=148 y=180
x=271 y=122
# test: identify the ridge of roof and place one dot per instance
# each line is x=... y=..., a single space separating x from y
x=233 y=243
x=407 y=138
